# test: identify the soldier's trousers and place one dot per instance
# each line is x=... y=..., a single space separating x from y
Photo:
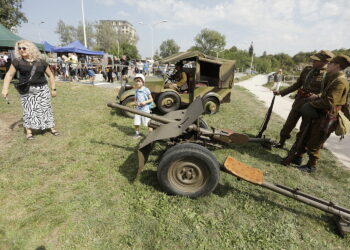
x=289 y=125
x=292 y=119
x=314 y=142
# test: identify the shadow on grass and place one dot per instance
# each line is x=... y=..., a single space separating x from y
x=129 y=167
x=149 y=177
x=19 y=123
x=128 y=130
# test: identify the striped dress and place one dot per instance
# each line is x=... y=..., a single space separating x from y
x=37 y=111
x=36 y=104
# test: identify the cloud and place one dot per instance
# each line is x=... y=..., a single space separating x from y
x=106 y=2
x=296 y=24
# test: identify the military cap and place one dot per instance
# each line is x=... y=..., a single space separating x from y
x=323 y=55
x=342 y=60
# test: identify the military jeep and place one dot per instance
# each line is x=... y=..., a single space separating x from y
x=209 y=77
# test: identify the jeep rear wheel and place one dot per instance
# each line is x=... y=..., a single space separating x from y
x=168 y=101
x=211 y=105
x=128 y=102
x=189 y=170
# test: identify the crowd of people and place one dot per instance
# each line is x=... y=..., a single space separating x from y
x=5 y=62
x=73 y=67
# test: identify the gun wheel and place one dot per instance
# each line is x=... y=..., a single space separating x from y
x=189 y=170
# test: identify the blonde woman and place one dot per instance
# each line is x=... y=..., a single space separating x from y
x=35 y=100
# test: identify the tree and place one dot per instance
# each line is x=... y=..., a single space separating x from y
x=10 y=14
x=67 y=33
x=106 y=36
x=251 y=50
x=210 y=41
x=241 y=57
x=129 y=50
x=168 y=48
x=90 y=34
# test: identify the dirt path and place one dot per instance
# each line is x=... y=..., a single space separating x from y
x=282 y=107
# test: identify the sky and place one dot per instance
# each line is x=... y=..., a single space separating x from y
x=274 y=26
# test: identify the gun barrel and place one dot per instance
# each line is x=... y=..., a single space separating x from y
x=139 y=112
x=309 y=200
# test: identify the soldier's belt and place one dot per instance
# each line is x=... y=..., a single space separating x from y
x=303 y=93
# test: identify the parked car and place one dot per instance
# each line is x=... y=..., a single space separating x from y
x=208 y=77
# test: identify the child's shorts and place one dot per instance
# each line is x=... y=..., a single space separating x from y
x=138 y=120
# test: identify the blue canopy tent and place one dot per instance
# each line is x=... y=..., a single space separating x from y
x=48 y=47
x=77 y=47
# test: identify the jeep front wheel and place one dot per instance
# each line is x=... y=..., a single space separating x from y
x=168 y=101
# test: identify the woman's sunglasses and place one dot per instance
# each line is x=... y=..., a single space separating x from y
x=22 y=48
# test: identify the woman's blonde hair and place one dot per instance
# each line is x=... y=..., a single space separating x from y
x=32 y=50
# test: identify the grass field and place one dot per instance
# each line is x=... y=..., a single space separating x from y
x=77 y=191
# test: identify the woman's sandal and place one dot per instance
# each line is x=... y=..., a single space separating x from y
x=29 y=137
x=55 y=133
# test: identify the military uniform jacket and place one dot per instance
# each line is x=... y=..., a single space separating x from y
x=180 y=78
x=310 y=81
x=336 y=89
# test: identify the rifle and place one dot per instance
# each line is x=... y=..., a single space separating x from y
x=267 y=119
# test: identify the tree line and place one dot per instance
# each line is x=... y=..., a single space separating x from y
x=102 y=36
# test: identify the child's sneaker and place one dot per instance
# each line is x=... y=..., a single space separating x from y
x=136 y=136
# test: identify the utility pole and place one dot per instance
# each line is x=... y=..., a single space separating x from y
x=82 y=10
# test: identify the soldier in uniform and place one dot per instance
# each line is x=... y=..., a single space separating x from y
x=180 y=78
x=333 y=97
x=308 y=86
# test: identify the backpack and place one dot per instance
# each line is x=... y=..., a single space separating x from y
x=343 y=126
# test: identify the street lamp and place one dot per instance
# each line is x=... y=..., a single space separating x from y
x=82 y=10
x=152 y=26
x=38 y=29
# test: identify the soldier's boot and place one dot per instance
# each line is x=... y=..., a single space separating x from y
x=298 y=159
x=310 y=167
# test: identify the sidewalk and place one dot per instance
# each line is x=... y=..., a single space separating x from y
x=282 y=107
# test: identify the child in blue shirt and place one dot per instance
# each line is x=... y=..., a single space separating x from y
x=143 y=100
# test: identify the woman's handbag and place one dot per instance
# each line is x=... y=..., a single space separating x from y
x=23 y=87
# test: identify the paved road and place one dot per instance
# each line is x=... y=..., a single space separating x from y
x=282 y=107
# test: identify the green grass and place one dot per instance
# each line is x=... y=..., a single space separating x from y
x=77 y=190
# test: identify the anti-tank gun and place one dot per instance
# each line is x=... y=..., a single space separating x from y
x=189 y=168
x=184 y=126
